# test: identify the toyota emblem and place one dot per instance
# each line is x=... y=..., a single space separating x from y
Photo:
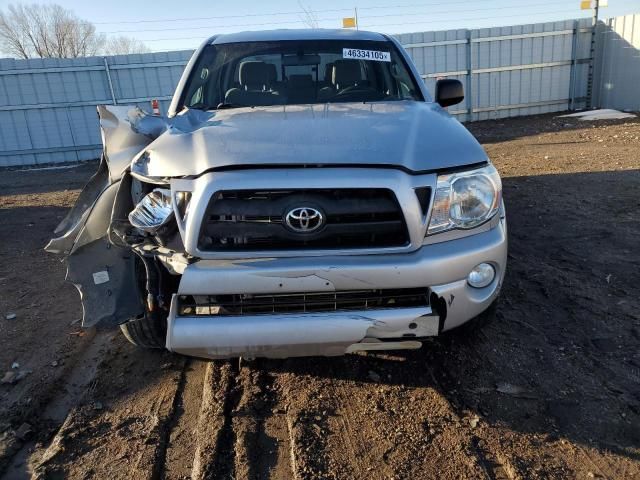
x=304 y=219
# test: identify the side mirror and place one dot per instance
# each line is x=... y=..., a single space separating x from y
x=449 y=92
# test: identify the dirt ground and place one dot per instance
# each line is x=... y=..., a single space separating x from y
x=549 y=389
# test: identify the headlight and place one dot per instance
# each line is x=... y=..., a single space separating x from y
x=153 y=211
x=465 y=199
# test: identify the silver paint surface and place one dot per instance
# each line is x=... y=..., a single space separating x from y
x=416 y=136
x=291 y=335
x=442 y=267
x=436 y=264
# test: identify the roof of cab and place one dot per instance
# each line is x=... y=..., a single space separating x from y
x=297 y=34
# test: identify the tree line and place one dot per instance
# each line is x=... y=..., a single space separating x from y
x=51 y=31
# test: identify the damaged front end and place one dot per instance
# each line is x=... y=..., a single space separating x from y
x=114 y=265
x=184 y=246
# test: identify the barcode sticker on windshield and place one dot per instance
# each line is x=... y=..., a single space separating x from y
x=358 y=54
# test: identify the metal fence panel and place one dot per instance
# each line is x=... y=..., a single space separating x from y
x=48 y=106
x=508 y=71
x=617 y=72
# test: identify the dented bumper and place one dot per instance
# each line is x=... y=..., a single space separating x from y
x=440 y=267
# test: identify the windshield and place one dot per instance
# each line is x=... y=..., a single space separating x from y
x=298 y=72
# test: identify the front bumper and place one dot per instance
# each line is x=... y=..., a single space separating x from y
x=443 y=267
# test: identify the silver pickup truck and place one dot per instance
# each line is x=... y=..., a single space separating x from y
x=305 y=195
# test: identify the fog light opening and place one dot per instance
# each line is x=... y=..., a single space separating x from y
x=481 y=275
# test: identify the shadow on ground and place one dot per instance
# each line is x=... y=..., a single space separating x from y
x=561 y=357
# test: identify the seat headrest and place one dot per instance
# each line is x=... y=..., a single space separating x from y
x=272 y=73
x=346 y=72
x=300 y=81
x=255 y=75
x=328 y=72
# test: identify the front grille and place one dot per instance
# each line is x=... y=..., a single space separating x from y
x=247 y=304
x=254 y=220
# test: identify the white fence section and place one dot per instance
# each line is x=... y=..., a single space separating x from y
x=48 y=106
x=508 y=71
x=617 y=72
x=48 y=115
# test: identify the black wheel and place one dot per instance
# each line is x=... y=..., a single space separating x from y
x=149 y=331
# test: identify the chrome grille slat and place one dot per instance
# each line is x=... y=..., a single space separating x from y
x=244 y=220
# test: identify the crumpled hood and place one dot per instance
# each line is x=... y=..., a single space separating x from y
x=414 y=135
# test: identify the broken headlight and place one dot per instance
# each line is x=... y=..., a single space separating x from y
x=153 y=212
x=465 y=199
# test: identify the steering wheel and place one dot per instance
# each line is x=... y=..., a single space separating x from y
x=353 y=88
x=359 y=93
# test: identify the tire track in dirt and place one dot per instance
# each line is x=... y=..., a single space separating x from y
x=244 y=420
x=151 y=460
x=211 y=459
x=262 y=449
x=121 y=427
x=306 y=422
x=494 y=465
x=275 y=442
x=248 y=423
x=242 y=432
x=346 y=425
x=181 y=446
x=77 y=379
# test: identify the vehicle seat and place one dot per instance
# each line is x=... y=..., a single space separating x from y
x=255 y=76
x=256 y=82
x=346 y=73
x=272 y=78
x=327 y=91
x=301 y=89
x=328 y=74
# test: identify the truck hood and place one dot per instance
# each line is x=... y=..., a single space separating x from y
x=415 y=136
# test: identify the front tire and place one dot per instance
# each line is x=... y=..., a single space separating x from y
x=148 y=331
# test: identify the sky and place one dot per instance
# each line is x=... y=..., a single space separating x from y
x=176 y=25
